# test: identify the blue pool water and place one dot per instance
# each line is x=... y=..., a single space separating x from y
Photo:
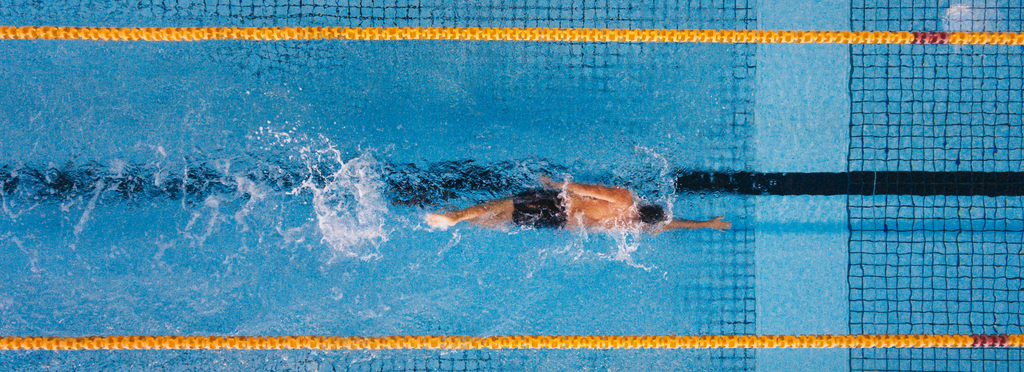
x=279 y=188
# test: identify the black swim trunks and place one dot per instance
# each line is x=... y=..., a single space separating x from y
x=538 y=208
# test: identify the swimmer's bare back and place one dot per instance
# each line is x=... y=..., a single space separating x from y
x=576 y=206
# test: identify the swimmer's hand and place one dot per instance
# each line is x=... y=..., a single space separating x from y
x=717 y=224
x=439 y=221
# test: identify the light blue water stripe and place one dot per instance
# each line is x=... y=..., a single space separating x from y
x=803 y=107
x=802 y=125
x=801 y=288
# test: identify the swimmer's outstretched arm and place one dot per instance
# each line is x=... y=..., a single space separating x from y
x=714 y=223
x=490 y=214
x=611 y=194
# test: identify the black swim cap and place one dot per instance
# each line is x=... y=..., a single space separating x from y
x=650 y=214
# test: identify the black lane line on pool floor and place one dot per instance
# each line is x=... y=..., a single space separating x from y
x=438 y=183
x=855 y=183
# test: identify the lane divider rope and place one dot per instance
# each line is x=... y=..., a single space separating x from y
x=507 y=342
x=506 y=34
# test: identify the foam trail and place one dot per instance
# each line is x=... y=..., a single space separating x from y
x=350 y=208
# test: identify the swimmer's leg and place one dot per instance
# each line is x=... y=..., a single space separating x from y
x=494 y=214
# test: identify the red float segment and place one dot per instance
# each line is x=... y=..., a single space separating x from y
x=930 y=38
x=990 y=340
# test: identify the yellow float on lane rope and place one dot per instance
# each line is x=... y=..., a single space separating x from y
x=504 y=34
x=506 y=342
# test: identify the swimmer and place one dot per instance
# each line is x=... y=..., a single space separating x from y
x=573 y=206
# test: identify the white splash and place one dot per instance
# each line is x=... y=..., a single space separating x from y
x=257 y=192
x=666 y=180
x=628 y=238
x=350 y=208
x=158 y=177
x=117 y=168
x=626 y=243
x=211 y=208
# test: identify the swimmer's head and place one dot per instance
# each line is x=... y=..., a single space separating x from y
x=650 y=214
